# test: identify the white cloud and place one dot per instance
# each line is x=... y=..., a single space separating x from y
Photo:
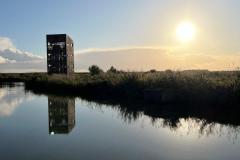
x=10 y=54
x=92 y=50
x=6 y=43
x=19 y=56
x=16 y=60
x=4 y=60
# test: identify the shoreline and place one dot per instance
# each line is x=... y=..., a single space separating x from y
x=171 y=112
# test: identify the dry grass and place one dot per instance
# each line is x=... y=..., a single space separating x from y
x=198 y=84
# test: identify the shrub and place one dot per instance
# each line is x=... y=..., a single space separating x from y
x=153 y=71
x=95 y=70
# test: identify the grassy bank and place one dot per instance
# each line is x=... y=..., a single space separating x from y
x=185 y=86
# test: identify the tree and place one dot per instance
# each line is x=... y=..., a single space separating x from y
x=95 y=70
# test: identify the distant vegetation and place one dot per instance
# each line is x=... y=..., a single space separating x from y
x=185 y=86
x=95 y=70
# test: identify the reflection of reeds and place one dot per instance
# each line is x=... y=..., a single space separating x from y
x=184 y=122
x=203 y=128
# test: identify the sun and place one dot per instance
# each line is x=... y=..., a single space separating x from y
x=185 y=31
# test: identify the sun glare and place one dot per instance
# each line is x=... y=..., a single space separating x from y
x=185 y=31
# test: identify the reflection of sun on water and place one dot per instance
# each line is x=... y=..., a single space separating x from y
x=185 y=31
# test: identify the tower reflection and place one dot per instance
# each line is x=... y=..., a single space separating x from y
x=61 y=115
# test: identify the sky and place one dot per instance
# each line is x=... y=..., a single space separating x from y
x=129 y=34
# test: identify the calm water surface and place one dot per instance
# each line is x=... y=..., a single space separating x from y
x=51 y=127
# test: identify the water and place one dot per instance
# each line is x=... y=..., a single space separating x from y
x=51 y=127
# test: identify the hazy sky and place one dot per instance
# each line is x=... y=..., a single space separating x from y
x=124 y=25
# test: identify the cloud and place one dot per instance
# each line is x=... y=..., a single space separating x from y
x=210 y=61
x=5 y=43
x=92 y=50
x=131 y=58
x=4 y=60
x=14 y=55
x=10 y=54
x=16 y=60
